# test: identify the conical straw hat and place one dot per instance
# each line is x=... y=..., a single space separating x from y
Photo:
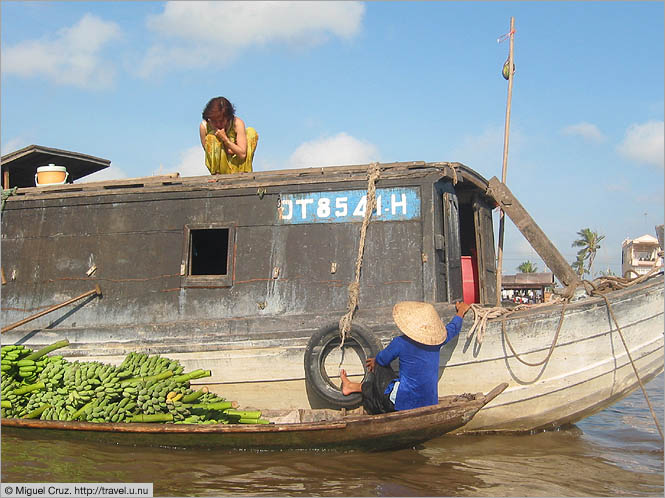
x=420 y=322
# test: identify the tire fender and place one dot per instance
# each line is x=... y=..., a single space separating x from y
x=321 y=344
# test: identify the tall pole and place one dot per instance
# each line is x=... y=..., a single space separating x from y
x=506 y=132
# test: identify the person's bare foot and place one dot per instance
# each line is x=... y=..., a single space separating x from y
x=349 y=387
x=345 y=382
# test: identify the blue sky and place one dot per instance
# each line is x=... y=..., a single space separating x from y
x=330 y=83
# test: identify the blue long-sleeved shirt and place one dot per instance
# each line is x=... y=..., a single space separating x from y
x=418 y=368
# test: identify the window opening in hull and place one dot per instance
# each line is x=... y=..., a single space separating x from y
x=210 y=250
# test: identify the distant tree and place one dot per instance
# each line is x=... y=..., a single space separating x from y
x=578 y=266
x=589 y=242
x=527 y=267
x=607 y=273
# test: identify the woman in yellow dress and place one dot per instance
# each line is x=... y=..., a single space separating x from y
x=229 y=146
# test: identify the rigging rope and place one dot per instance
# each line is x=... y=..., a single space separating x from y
x=596 y=288
x=354 y=287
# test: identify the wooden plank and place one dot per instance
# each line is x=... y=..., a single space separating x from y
x=79 y=190
x=482 y=219
x=173 y=182
x=452 y=250
x=533 y=233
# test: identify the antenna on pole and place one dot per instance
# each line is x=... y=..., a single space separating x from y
x=508 y=71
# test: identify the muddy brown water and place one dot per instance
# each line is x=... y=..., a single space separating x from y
x=617 y=452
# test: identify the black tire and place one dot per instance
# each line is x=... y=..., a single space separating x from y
x=364 y=342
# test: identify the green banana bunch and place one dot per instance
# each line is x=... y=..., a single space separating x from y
x=151 y=397
x=142 y=388
x=9 y=385
x=10 y=356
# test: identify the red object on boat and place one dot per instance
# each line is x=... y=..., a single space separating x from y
x=470 y=280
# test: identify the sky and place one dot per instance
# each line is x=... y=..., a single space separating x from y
x=335 y=83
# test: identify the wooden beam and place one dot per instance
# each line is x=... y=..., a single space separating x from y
x=532 y=232
x=96 y=291
x=5 y=179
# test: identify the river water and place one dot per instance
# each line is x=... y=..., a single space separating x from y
x=617 y=452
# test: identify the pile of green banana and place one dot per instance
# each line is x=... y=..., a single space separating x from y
x=142 y=388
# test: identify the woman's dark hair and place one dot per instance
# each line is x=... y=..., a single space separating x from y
x=221 y=105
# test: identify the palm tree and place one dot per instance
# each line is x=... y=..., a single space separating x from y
x=578 y=266
x=589 y=241
x=527 y=267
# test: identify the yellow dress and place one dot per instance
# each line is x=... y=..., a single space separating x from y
x=217 y=159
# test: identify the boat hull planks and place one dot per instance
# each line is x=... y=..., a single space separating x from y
x=332 y=430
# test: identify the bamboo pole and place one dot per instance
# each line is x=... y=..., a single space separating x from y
x=97 y=291
x=506 y=132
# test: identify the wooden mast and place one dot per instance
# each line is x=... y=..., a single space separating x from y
x=506 y=132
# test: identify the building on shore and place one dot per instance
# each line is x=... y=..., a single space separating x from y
x=639 y=256
x=524 y=288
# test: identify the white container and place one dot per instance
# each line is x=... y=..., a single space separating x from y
x=51 y=175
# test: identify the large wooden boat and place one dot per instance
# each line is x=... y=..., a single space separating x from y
x=247 y=275
x=289 y=429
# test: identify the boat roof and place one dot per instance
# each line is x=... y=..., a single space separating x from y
x=457 y=172
x=527 y=280
x=644 y=239
x=22 y=164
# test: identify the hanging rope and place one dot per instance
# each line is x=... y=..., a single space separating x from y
x=354 y=287
x=549 y=353
x=615 y=283
x=596 y=288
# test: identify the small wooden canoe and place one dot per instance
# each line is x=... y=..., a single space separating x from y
x=293 y=429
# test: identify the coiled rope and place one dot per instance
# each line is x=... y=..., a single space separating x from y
x=354 y=287
x=598 y=287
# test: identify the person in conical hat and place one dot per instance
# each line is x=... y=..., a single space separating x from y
x=418 y=351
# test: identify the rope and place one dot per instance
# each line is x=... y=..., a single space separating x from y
x=598 y=287
x=354 y=287
x=454 y=175
x=549 y=353
x=632 y=363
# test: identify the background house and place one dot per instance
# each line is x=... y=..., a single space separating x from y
x=527 y=287
x=640 y=255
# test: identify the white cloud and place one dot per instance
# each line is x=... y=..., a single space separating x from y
x=195 y=34
x=587 y=131
x=192 y=162
x=342 y=149
x=110 y=173
x=644 y=143
x=72 y=57
x=161 y=57
x=13 y=145
x=238 y=24
x=617 y=187
x=484 y=152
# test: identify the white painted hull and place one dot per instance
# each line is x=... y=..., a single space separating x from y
x=589 y=368
x=587 y=371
